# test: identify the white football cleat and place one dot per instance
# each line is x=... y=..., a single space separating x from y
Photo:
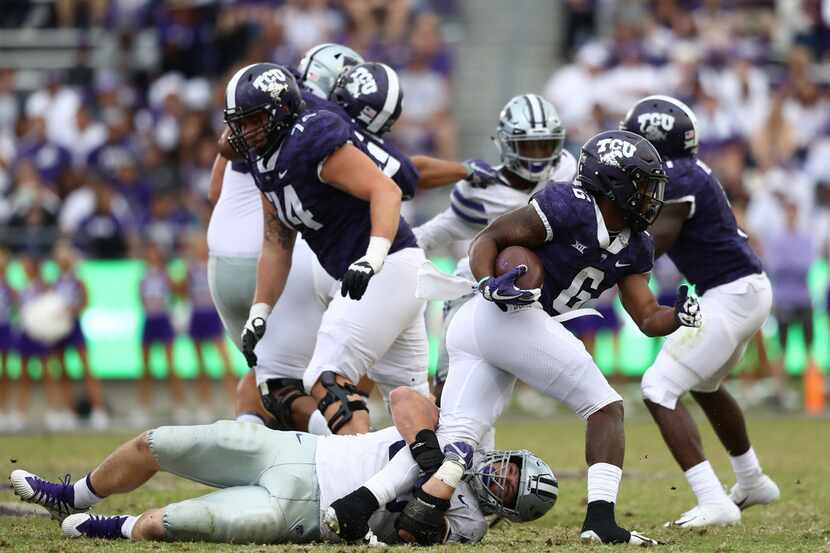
x=94 y=526
x=57 y=497
x=763 y=492
x=711 y=514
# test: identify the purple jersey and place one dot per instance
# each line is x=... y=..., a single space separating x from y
x=70 y=289
x=710 y=250
x=198 y=287
x=50 y=159
x=335 y=224
x=581 y=259
x=394 y=163
x=155 y=292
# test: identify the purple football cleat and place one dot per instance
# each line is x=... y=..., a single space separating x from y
x=94 y=526
x=57 y=497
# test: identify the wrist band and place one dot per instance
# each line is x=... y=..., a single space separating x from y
x=261 y=310
x=376 y=251
x=450 y=472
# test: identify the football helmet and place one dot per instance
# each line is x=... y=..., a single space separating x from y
x=321 y=65
x=371 y=94
x=536 y=486
x=262 y=101
x=530 y=137
x=667 y=123
x=625 y=168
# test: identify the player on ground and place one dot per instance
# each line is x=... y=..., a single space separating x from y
x=589 y=236
x=697 y=230
x=530 y=138
x=277 y=485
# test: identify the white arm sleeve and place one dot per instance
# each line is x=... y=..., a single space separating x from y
x=395 y=479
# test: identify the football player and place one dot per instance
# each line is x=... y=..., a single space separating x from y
x=530 y=138
x=371 y=96
x=697 y=230
x=589 y=237
x=276 y=485
x=349 y=349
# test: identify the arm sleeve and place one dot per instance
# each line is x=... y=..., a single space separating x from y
x=395 y=479
x=444 y=228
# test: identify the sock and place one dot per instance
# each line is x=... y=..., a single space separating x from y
x=603 y=482
x=705 y=484
x=85 y=495
x=250 y=417
x=318 y=424
x=127 y=527
x=747 y=468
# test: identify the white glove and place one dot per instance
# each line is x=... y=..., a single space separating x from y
x=254 y=330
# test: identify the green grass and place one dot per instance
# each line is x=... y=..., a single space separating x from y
x=793 y=450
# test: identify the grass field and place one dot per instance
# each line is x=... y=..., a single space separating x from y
x=794 y=450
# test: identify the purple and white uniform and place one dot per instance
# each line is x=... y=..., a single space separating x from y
x=26 y=345
x=336 y=226
x=7 y=300
x=156 y=295
x=70 y=288
x=735 y=294
x=205 y=323
x=490 y=349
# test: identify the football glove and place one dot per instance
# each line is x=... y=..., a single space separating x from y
x=423 y=519
x=356 y=279
x=348 y=517
x=502 y=290
x=687 y=308
x=253 y=331
x=481 y=174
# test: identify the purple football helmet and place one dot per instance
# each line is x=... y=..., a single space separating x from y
x=625 y=168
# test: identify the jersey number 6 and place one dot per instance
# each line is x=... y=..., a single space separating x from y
x=584 y=287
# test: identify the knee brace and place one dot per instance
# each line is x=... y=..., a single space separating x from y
x=339 y=393
x=277 y=396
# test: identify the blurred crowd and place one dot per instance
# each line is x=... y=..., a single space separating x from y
x=757 y=75
x=115 y=154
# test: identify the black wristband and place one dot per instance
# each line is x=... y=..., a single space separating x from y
x=427 y=451
x=439 y=504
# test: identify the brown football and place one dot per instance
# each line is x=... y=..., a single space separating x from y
x=512 y=256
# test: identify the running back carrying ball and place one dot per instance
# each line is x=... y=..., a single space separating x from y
x=513 y=256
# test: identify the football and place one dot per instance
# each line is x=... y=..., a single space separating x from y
x=513 y=256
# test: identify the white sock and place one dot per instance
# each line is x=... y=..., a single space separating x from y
x=603 y=482
x=747 y=468
x=127 y=527
x=705 y=484
x=250 y=417
x=84 y=496
x=318 y=424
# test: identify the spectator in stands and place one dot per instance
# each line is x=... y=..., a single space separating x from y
x=103 y=234
x=426 y=125
x=32 y=224
x=52 y=161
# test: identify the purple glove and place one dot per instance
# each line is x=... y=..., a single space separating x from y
x=481 y=174
x=502 y=290
x=461 y=451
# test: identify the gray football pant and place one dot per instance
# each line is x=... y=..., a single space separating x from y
x=269 y=478
x=232 y=282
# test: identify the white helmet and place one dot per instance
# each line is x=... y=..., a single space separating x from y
x=530 y=137
x=322 y=64
x=536 y=485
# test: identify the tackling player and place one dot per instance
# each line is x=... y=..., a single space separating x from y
x=589 y=236
x=697 y=230
x=277 y=485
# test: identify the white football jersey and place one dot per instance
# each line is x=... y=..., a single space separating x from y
x=344 y=463
x=471 y=209
x=235 y=227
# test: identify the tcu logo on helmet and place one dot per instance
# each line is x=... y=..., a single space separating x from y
x=654 y=126
x=361 y=82
x=611 y=149
x=272 y=82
